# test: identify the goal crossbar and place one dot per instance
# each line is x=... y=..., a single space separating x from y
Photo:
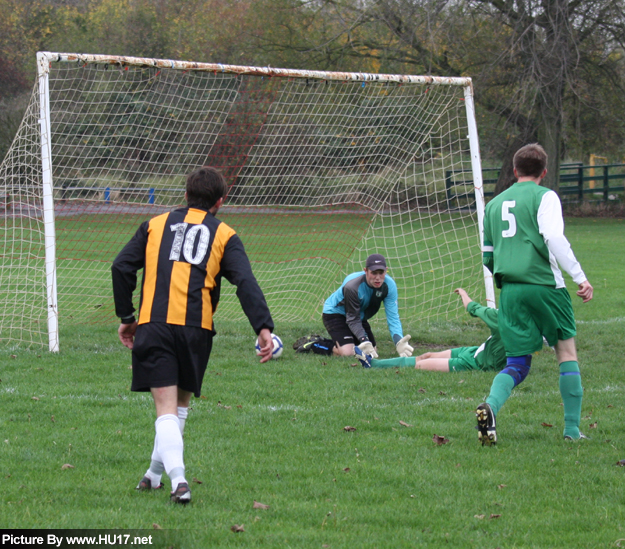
x=251 y=71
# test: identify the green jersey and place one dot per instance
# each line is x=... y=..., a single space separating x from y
x=524 y=238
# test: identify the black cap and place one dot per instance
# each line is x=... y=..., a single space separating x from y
x=375 y=262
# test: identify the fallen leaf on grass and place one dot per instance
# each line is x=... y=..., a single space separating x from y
x=593 y=425
x=349 y=428
x=346 y=470
x=439 y=440
x=237 y=528
x=156 y=526
x=66 y=466
x=35 y=398
x=621 y=462
x=494 y=516
x=405 y=424
x=546 y=424
x=479 y=516
x=196 y=481
x=442 y=393
x=258 y=505
x=421 y=390
x=502 y=486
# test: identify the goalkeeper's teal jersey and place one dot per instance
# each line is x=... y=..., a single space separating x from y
x=523 y=229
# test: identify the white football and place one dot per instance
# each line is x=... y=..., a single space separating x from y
x=278 y=347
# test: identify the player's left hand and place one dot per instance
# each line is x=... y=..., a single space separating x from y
x=585 y=291
x=126 y=333
x=266 y=345
x=403 y=347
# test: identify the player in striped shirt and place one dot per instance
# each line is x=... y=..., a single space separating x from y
x=184 y=254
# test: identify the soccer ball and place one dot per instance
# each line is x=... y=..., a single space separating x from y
x=278 y=347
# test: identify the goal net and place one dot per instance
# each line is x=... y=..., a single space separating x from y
x=323 y=169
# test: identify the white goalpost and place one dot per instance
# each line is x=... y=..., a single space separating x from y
x=323 y=169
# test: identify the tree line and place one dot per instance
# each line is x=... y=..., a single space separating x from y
x=543 y=70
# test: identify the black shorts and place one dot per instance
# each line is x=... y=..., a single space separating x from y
x=167 y=354
x=339 y=331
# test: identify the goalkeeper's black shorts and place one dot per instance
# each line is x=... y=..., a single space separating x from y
x=167 y=354
x=339 y=331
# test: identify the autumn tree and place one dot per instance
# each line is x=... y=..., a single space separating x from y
x=531 y=60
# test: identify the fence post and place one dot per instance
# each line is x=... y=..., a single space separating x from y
x=606 y=184
x=580 y=184
x=151 y=196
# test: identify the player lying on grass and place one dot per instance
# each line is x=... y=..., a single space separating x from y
x=524 y=243
x=183 y=254
x=347 y=311
x=490 y=355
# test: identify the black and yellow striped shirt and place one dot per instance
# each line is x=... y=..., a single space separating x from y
x=184 y=254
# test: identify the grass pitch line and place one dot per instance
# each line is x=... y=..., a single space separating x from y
x=606 y=321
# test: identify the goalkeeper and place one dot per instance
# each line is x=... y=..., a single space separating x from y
x=347 y=311
x=490 y=355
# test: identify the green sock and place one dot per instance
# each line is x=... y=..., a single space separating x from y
x=571 y=391
x=500 y=391
x=393 y=362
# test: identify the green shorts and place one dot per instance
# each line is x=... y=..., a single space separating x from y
x=528 y=312
x=463 y=359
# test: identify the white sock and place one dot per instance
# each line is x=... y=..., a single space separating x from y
x=170 y=447
x=156 y=466
x=155 y=472
x=182 y=417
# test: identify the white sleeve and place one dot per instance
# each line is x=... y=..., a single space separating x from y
x=551 y=227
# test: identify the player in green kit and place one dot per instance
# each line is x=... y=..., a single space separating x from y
x=524 y=243
x=490 y=355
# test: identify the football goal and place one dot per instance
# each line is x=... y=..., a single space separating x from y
x=323 y=169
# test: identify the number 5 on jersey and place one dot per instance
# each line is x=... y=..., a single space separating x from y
x=507 y=215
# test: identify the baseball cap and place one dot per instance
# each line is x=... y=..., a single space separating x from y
x=375 y=262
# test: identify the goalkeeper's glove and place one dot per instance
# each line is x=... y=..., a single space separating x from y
x=403 y=347
x=368 y=349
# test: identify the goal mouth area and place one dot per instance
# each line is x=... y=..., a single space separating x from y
x=323 y=169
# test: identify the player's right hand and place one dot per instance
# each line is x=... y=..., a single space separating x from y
x=368 y=349
x=126 y=333
x=266 y=345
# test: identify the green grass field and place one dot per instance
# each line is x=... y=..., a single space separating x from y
x=275 y=434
